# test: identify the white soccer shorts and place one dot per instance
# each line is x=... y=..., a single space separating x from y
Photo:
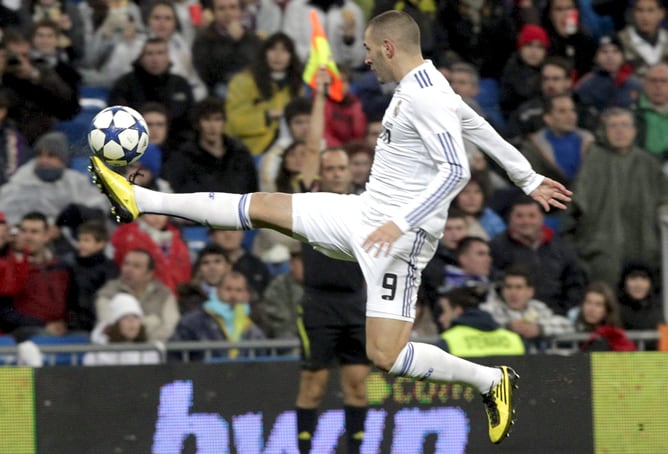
x=333 y=224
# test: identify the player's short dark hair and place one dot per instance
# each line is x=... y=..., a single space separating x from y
x=398 y=25
x=94 y=228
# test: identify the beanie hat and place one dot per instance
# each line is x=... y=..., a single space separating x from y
x=123 y=304
x=152 y=159
x=54 y=142
x=531 y=33
x=611 y=39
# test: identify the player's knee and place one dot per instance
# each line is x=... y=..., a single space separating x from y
x=382 y=359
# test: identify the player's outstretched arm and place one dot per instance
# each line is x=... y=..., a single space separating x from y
x=551 y=193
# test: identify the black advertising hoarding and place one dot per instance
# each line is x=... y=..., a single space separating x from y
x=247 y=408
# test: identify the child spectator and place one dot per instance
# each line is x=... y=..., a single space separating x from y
x=91 y=269
x=125 y=325
x=599 y=315
x=521 y=77
x=518 y=311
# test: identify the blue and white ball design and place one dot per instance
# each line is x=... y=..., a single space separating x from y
x=118 y=135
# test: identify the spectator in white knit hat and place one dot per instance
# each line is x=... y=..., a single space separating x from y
x=125 y=325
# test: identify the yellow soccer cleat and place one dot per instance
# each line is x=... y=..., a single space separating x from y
x=117 y=189
x=499 y=405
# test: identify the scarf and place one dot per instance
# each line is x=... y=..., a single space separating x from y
x=233 y=320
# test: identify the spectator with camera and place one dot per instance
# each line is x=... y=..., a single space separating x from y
x=39 y=96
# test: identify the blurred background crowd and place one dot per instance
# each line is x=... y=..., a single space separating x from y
x=580 y=87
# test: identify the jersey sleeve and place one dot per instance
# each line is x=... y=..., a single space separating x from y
x=437 y=124
x=480 y=132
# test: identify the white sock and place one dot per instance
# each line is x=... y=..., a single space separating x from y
x=215 y=209
x=428 y=362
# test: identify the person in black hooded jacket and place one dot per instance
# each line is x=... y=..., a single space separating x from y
x=152 y=80
x=640 y=306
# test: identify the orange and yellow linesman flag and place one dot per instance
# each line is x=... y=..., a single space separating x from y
x=321 y=55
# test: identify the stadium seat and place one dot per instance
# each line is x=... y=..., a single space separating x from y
x=91 y=101
x=68 y=339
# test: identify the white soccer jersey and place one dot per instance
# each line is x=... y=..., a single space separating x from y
x=420 y=164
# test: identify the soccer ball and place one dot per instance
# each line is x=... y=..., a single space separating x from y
x=118 y=135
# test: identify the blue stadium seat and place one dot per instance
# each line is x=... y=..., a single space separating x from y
x=91 y=100
x=68 y=339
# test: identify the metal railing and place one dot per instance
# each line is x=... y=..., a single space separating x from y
x=272 y=349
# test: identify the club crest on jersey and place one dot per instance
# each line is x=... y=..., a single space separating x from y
x=396 y=108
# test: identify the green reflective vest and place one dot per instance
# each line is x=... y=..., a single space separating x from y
x=471 y=342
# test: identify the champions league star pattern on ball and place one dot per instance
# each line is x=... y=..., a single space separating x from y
x=118 y=135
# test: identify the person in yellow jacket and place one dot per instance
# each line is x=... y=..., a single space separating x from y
x=472 y=332
x=257 y=96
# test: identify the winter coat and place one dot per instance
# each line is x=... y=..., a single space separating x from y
x=559 y=280
x=600 y=90
x=540 y=153
x=161 y=311
x=138 y=87
x=193 y=169
x=26 y=192
x=172 y=264
x=281 y=299
x=247 y=112
x=519 y=83
x=203 y=325
x=90 y=274
x=537 y=312
x=344 y=121
x=612 y=218
x=217 y=57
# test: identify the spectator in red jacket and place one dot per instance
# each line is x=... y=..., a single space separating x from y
x=163 y=241
x=344 y=120
x=42 y=297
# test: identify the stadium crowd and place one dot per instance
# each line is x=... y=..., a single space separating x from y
x=580 y=87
